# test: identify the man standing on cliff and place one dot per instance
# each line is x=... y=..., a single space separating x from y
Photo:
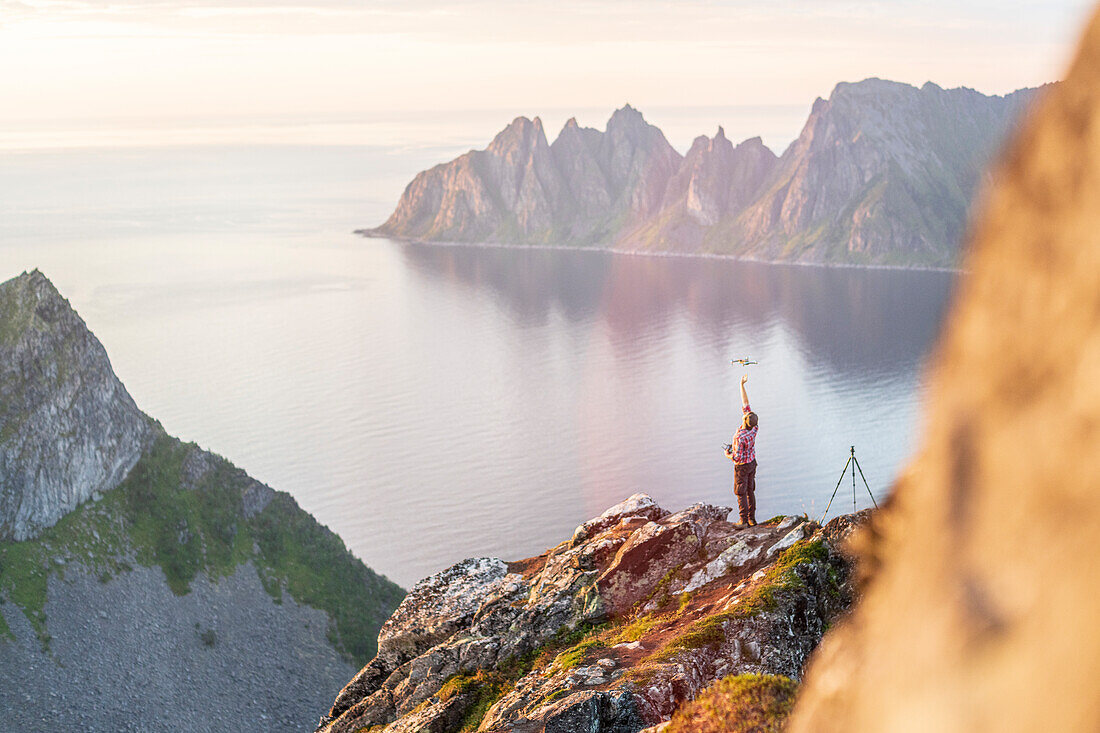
x=742 y=452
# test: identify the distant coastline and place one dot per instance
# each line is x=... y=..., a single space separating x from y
x=371 y=234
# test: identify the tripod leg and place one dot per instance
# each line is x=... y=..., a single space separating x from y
x=853 y=484
x=865 y=484
x=842 y=472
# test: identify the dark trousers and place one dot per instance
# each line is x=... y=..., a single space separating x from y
x=744 y=485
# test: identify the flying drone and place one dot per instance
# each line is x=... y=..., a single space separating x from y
x=744 y=362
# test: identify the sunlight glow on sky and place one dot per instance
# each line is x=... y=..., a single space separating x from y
x=98 y=68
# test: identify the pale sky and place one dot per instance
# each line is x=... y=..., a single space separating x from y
x=103 y=67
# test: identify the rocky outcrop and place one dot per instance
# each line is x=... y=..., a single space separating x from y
x=882 y=173
x=981 y=612
x=68 y=428
x=182 y=593
x=609 y=631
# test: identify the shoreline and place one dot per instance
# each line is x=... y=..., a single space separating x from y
x=369 y=234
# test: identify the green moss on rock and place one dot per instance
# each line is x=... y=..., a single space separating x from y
x=747 y=703
x=477 y=692
x=638 y=627
x=578 y=653
x=763 y=597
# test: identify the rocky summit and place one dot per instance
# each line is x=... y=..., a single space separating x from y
x=147 y=584
x=882 y=173
x=614 y=629
x=68 y=428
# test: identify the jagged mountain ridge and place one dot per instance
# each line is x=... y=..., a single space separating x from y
x=137 y=568
x=882 y=173
x=580 y=189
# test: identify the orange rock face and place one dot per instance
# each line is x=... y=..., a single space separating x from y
x=982 y=614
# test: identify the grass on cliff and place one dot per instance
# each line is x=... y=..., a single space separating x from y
x=153 y=519
x=747 y=703
x=764 y=596
x=481 y=689
x=603 y=637
x=182 y=531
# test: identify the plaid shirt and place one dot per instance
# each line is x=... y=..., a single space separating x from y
x=744 y=442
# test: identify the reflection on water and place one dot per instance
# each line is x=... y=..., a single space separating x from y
x=859 y=323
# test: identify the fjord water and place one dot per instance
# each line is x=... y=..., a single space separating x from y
x=432 y=403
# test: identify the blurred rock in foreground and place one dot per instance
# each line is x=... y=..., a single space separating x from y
x=983 y=613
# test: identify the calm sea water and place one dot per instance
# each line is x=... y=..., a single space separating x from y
x=433 y=403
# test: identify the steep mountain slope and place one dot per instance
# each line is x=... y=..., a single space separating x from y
x=181 y=594
x=882 y=173
x=716 y=181
x=981 y=611
x=610 y=631
x=68 y=428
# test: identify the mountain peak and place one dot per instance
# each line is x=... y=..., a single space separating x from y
x=752 y=142
x=68 y=428
x=521 y=133
x=872 y=86
x=701 y=142
x=34 y=280
x=626 y=116
x=522 y=125
x=720 y=135
x=28 y=301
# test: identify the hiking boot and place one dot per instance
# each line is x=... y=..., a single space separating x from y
x=742 y=525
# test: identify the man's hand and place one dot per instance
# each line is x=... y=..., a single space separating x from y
x=744 y=378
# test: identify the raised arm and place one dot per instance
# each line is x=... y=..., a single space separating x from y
x=744 y=394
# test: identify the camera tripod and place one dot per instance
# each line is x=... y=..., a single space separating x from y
x=854 y=463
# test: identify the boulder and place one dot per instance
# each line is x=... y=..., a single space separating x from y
x=638 y=505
